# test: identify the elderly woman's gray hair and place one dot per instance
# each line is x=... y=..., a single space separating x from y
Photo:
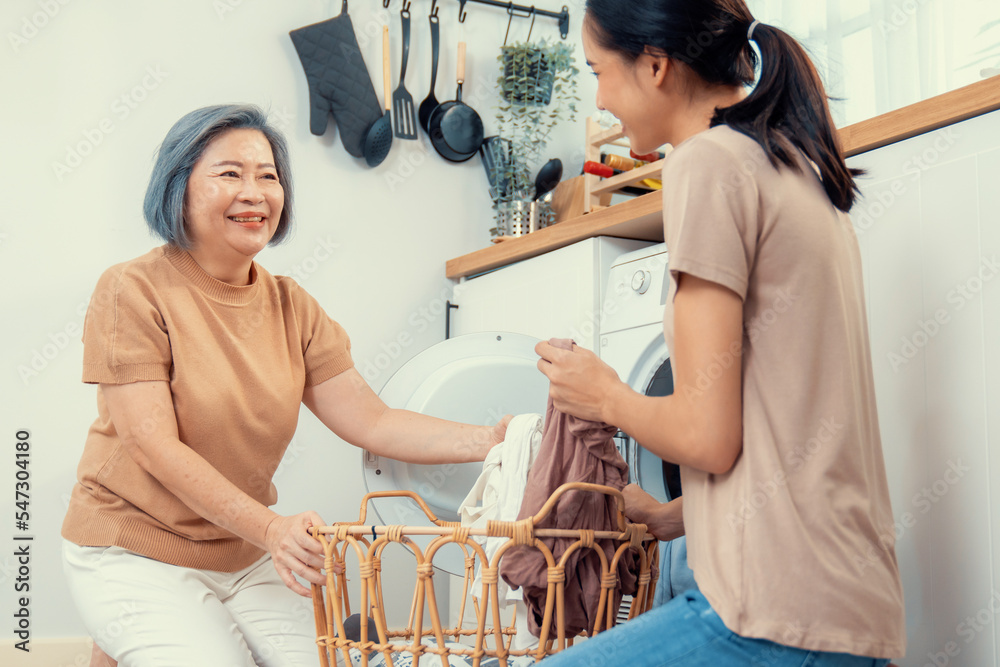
x=184 y=144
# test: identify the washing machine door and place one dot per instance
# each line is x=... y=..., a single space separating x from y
x=476 y=379
x=659 y=478
x=651 y=375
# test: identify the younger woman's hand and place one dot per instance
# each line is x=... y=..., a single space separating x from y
x=295 y=552
x=665 y=521
x=639 y=505
x=580 y=384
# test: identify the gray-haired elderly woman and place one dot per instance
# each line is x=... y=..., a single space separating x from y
x=201 y=359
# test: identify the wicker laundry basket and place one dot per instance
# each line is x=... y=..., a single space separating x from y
x=343 y=541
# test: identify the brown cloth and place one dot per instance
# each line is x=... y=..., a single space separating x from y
x=572 y=450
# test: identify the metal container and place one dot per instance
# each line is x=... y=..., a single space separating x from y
x=514 y=218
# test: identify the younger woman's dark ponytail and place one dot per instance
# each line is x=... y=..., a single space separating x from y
x=787 y=108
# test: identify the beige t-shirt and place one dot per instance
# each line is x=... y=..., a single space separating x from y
x=795 y=544
x=237 y=359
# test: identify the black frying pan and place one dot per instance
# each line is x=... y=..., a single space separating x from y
x=455 y=128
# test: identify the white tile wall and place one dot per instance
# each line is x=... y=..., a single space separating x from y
x=989 y=212
x=929 y=226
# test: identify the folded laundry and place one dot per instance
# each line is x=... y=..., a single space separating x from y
x=572 y=450
x=498 y=492
x=496 y=496
x=676 y=576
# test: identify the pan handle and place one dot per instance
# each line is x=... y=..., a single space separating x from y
x=405 y=23
x=386 y=77
x=435 y=48
x=461 y=63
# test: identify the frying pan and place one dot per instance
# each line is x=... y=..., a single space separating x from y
x=455 y=128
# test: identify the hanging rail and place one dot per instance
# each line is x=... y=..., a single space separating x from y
x=512 y=9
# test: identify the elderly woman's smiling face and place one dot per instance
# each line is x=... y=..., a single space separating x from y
x=233 y=200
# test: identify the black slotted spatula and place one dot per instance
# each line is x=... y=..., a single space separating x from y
x=404 y=115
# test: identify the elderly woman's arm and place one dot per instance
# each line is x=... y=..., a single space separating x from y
x=349 y=407
x=144 y=417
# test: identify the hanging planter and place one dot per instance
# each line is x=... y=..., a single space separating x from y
x=537 y=83
x=527 y=75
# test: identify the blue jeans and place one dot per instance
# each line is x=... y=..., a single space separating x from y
x=686 y=631
x=675 y=574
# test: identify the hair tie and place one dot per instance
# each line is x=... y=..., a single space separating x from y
x=750 y=31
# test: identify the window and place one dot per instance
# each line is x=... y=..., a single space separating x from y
x=881 y=55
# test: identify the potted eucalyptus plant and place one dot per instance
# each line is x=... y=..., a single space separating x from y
x=537 y=85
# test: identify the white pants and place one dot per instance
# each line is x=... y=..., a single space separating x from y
x=146 y=613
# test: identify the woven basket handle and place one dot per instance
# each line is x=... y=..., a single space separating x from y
x=396 y=494
x=583 y=486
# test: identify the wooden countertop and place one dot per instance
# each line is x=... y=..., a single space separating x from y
x=640 y=217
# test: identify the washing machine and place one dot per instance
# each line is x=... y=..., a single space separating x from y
x=489 y=368
x=631 y=342
x=475 y=379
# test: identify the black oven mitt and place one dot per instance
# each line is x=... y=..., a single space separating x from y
x=338 y=80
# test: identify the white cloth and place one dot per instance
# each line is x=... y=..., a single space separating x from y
x=497 y=496
x=145 y=612
x=405 y=659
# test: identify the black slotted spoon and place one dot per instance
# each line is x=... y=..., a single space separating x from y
x=430 y=103
x=404 y=116
x=379 y=139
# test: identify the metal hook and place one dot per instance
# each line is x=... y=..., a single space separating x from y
x=512 y=10
x=434 y=7
x=461 y=11
x=385 y=3
x=510 y=19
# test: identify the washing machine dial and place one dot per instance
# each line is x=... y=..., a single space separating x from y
x=640 y=281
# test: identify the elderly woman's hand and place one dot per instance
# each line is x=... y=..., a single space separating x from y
x=499 y=431
x=294 y=551
x=580 y=384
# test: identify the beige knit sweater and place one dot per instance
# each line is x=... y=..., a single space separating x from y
x=237 y=360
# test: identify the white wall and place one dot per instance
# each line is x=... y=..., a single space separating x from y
x=370 y=244
x=929 y=228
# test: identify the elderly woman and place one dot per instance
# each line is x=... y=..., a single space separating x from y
x=201 y=359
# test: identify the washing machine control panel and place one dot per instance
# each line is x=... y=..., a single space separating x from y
x=640 y=281
x=636 y=291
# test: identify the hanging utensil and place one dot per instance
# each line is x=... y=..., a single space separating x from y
x=430 y=102
x=547 y=178
x=403 y=114
x=497 y=156
x=456 y=129
x=379 y=139
x=338 y=80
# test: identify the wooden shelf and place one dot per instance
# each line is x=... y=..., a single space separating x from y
x=640 y=218
x=931 y=114
x=630 y=177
